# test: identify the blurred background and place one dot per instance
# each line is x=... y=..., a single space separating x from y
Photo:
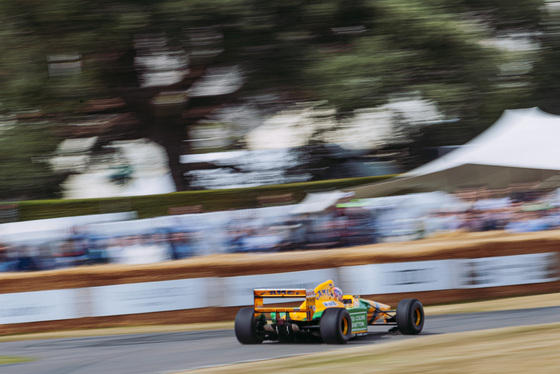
x=120 y=98
x=130 y=98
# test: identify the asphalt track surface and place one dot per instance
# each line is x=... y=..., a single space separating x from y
x=175 y=351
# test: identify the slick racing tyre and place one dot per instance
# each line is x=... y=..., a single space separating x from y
x=410 y=316
x=246 y=327
x=335 y=326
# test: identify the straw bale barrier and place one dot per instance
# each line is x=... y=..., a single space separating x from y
x=448 y=246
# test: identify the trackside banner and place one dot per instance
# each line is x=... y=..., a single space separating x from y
x=38 y=306
x=151 y=297
x=507 y=270
x=417 y=276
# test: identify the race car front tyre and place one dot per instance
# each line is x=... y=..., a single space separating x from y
x=410 y=316
x=335 y=326
x=246 y=327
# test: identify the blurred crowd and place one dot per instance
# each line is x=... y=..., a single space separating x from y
x=282 y=228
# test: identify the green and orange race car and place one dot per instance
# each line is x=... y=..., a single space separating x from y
x=326 y=314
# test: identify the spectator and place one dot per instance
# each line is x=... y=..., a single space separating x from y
x=261 y=240
x=370 y=221
x=3 y=253
x=144 y=249
x=98 y=251
x=8 y=260
x=67 y=255
x=160 y=243
x=553 y=217
x=359 y=228
x=442 y=221
x=133 y=250
x=45 y=258
x=322 y=231
x=528 y=221
x=297 y=231
x=116 y=249
x=180 y=245
x=472 y=221
x=27 y=259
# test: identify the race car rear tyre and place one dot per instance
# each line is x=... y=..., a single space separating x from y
x=410 y=316
x=335 y=326
x=246 y=327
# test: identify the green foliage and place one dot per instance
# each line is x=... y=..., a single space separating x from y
x=22 y=174
x=355 y=54
x=5 y=360
x=158 y=205
x=401 y=43
x=430 y=51
x=546 y=89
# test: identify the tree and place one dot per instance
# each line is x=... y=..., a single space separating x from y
x=23 y=176
x=63 y=55
x=546 y=75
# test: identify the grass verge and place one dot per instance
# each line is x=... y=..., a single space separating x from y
x=526 y=349
x=13 y=359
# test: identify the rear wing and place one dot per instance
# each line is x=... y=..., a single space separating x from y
x=308 y=306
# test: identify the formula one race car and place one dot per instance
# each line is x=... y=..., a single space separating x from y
x=326 y=314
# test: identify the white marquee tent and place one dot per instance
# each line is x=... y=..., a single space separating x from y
x=523 y=146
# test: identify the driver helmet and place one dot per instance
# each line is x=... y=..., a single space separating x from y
x=337 y=292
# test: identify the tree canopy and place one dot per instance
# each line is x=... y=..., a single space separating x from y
x=61 y=54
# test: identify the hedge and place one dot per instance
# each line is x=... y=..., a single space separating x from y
x=159 y=205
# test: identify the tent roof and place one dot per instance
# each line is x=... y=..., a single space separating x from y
x=521 y=147
x=523 y=138
x=319 y=201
